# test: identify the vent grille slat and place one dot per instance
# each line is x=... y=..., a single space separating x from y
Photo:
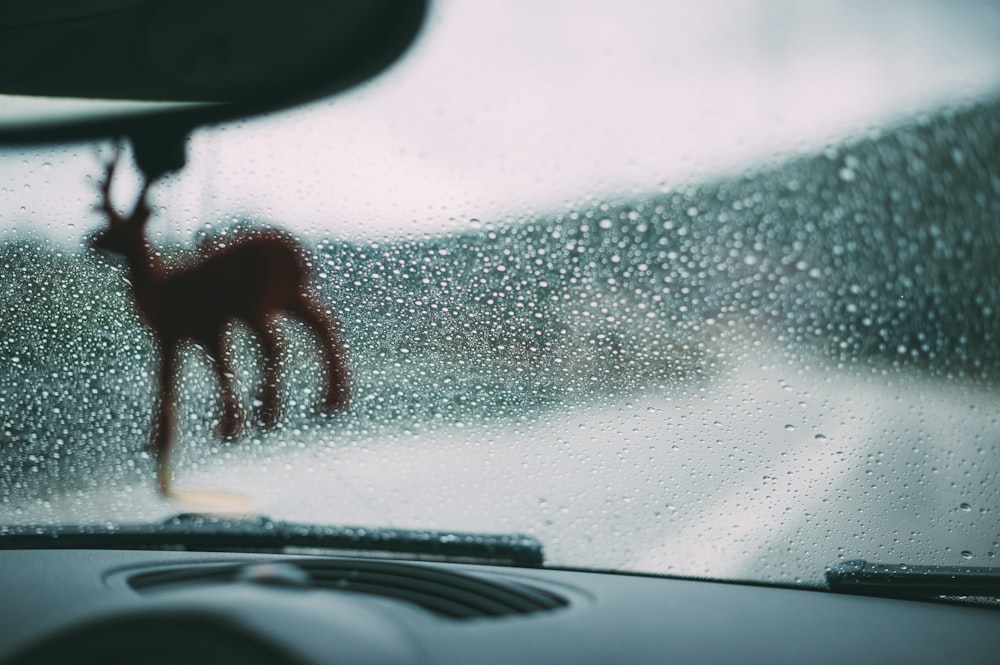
x=476 y=600
x=443 y=592
x=432 y=603
x=177 y=576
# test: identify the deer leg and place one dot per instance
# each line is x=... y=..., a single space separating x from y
x=163 y=436
x=271 y=347
x=229 y=426
x=338 y=380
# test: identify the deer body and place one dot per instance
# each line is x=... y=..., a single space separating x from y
x=256 y=278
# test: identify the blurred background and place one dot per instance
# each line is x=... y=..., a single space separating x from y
x=701 y=288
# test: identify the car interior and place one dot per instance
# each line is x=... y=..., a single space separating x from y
x=746 y=416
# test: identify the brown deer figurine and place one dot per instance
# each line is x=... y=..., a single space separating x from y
x=253 y=280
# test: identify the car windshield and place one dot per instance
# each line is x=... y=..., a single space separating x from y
x=681 y=288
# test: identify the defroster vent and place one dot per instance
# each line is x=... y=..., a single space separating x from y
x=443 y=592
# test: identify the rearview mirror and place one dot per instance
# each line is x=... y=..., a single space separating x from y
x=153 y=70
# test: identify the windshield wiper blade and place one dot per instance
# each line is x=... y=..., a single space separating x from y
x=907 y=581
x=198 y=532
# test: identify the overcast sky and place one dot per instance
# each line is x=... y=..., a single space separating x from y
x=506 y=107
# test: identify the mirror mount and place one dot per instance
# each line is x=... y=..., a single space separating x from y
x=159 y=152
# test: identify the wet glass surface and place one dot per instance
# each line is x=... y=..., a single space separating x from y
x=745 y=373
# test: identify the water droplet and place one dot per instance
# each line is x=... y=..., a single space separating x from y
x=821 y=437
x=966 y=554
x=966 y=507
x=790 y=428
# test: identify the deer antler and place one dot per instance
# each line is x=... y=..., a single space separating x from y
x=105 y=189
x=141 y=209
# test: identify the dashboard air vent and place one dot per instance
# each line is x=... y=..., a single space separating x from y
x=443 y=592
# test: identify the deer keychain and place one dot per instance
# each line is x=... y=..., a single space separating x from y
x=252 y=280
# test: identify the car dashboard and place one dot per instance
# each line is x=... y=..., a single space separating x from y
x=79 y=606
